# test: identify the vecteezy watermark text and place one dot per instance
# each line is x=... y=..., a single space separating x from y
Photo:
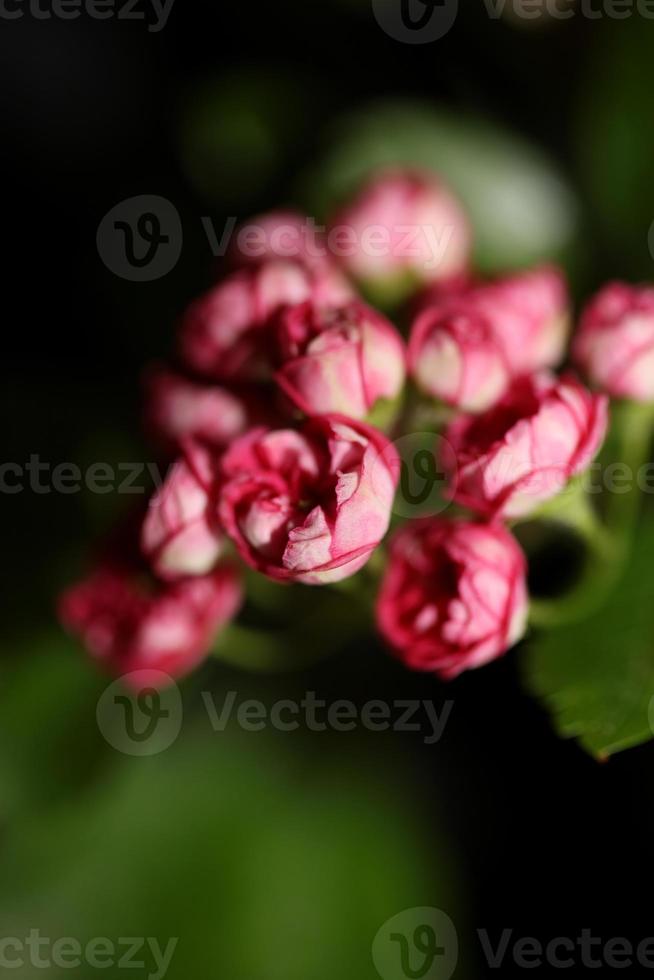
x=309 y=239
x=565 y=952
x=316 y=715
x=566 y=9
x=422 y=478
x=156 y=12
x=149 y=719
x=426 y=21
x=43 y=477
x=423 y=942
x=140 y=239
x=100 y=953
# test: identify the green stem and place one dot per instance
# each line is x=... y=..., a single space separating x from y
x=599 y=577
x=632 y=426
x=386 y=413
x=602 y=567
x=607 y=544
x=573 y=508
x=420 y=414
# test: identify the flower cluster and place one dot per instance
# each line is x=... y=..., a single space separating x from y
x=281 y=409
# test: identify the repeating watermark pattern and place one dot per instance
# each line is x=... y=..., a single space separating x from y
x=142 y=714
x=155 y=14
x=141 y=239
x=307 y=239
x=417 y=944
x=100 y=953
x=426 y=474
x=426 y=21
x=423 y=943
x=567 y=9
x=43 y=477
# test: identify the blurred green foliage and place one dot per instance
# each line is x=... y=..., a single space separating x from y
x=614 y=136
x=267 y=855
x=237 y=133
x=522 y=209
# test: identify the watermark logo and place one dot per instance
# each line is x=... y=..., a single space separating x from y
x=141 y=714
x=416 y=21
x=425 y=469
x=141 y=238
x=417 y=944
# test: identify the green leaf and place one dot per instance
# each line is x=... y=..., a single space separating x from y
x=521 y=208
x=597 y=676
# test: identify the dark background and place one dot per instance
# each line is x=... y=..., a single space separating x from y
x=538 y=836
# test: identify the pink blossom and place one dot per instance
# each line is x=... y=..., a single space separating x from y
x=524 y=450
x=455 y=357
x=285 y=235
x=225 y=334
x=468 y=342
x=339 y=359
x=308 y=505
x=129 y=625
x=529 y=314
x=180 y=534
x=177 y=409
x=615 y=343
x=454 y=595
x=404 y=228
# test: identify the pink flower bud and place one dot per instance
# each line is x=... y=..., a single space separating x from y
x=454 y=595
x=530 y=316
x=167 y=628
x=339 y=359
x=177 y=410
x=454 y=356
x=180 y=534
x=615 y=343
x=404 y=229
x=467 y=343
x=524 y=450
x=286 y=235
x=310 y=505
x=224 y=335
